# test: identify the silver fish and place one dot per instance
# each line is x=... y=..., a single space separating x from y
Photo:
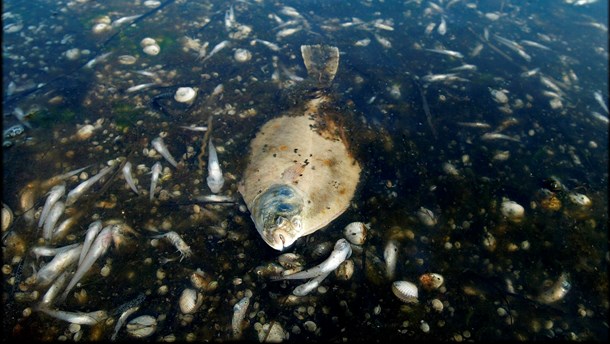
x=97 y=59
x=310 y=285
x=84 y=186
x=498 y=136
x=94 y=228
x=91 y=318
x=57 y=265
x=451 y=53
x=98 y=248
x=129 y=178
x=56 y=211
x=474 y=125
x=287 y=32
x=54 y=195
x=215 y=179
x=122 y=320
x=464 y=67
x=442 y=27
x=194 y=128
x=124 y=20
x=535 y=44
x=269 y=45
x=160 y=147
x=600 y=100
x=156 y=171
x=47 y=251
x=340 y=253
x=229 y=18
x=57 y=286
x=239 y=313
x=140 y=87
x=62 y=229
x=442 y=77
x=216 y=49
x=514 y=46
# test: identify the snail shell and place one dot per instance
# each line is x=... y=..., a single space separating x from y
x=355 y=232
x=152 y=50
x=185 y=94
x=580 y=199
x=512 y=210
x=405 y=291
x=322 y=250
x=7 y=217
x=242 y=55
x=142 y=326
x=190 y=301
x=147 y=41
x=426 y=216
x=431 y=281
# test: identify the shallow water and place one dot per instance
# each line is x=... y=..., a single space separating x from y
x=411 y=158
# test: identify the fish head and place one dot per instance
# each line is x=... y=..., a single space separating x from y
x=277 y=215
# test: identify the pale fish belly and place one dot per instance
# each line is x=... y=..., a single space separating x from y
x=328 y=177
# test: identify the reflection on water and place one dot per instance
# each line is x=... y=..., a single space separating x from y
x=481 y=128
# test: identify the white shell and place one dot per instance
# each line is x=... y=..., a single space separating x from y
x=185 y=94
x=426 y=216
x=100 y=28
x=405 y=291
x=431 y=281
x=242 y=55
x=580 y=199
x=271 y=333
x=355 y=232
x=151 y=3
x=85 y=132
x=512 y=210
x=152 y=50
x=142 y=326
x=7 y=217
x=190 y=301
x=127 y=59
x=72 y=54
x=147 y=41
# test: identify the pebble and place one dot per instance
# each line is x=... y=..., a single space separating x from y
x=424 y=327
x=437 y=305
x=310 y=326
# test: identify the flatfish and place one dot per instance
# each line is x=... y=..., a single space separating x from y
x=301 y=174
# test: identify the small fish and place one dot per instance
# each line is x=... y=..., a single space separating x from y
x=91 y=318
x=514 y=46
x=287 y=32
x=129 y=178
x=340 y=253
x=229 y=18
x=55 y=194
x=429 y=28
x=474 y=125
x=600 y=100
x=124 y=20
x=64 y=227
x=309 y=286
x=535 y=44
x=62 y=261
x=451 y=53
x=215 y=179
x=46 y=251
x=56 y=211
x=215 y=199
x=498 y=136
x=176 y=240
x=122 y=320
x=599 y=116
x=98 y=248
x=84 y=186
x=51 y=294
x=290 y=11
x=442 y=27
x=383 y=41
x=140 y=87
x=442 y=77
x=530 y=73
x=97 y=59
x=269 y=45
x=216 y=49
x=156 y=171
x=194 y=128
x=464 y=67
x=383 y=26
x=21 y=117
x=390 y=254
x=239 y=313
x=160 y=147
x=94 y=228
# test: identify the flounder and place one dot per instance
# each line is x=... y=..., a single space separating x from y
x=301 y=174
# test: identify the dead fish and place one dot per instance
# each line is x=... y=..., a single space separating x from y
x=442 y=27
x=535 y=44
x=92 y=232
x=62 y=261
x=84 y=186
x=269 y=45
x=160 y=147
x=124 y=20
x=216 y=49
x=451 y=53
x=600 y=100
x=140 y=87
x=498 y=136
x=215 y=179
x=340 y=253
x=97 y=59
x=474 y=125
x=56 y=211
x=91 y=318
x=239 y=313
x=55 y=194
x=129 y=178
x=156 y=171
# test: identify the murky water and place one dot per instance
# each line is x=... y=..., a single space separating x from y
x=515 y=118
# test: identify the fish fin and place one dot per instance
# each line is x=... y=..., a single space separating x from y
x=322 y=62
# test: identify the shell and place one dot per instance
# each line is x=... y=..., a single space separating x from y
x=7 y=217
x=185 y=94
x=405 y=291
x=152 y=50
x=72 y=54
x=147 y=41
x=345 y=271
x=512 y=210
x=242 y=55
x=127 y=59
x=271 y=333
x=152 y=3
x=100 y=28
x=322 y=250
x=85 y=132
x=579 y=199
x=142 y=326
x=426 y=216
x=190 y=301
x=355 y=232
x=201 y=280
x=431 y=281
x=291 y=261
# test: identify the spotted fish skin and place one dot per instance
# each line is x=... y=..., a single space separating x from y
x=301 y=174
